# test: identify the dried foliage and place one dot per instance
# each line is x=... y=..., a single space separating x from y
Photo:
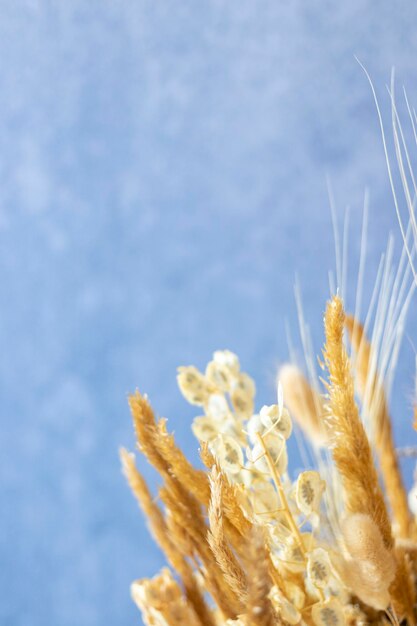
x=249 y=546
x=375 y=404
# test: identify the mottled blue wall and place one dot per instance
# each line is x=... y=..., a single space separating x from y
x=162 y=179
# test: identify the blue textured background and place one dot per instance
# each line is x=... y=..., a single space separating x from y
x=162 y=178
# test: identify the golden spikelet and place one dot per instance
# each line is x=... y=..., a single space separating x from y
x=230 y=503
x=372 y=393
x=192 y=479
x=160 y=454
x=151 y=510
x=303 y=402
x=162 y=597
x=160 y=532
x=145 y=430
x=232 y=571
x=350 y=446
x=197 y=532
x=259 y=610
x=235 y=521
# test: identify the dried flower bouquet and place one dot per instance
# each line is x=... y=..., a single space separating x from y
x=246 y=545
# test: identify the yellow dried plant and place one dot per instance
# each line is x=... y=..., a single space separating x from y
x=249 y=546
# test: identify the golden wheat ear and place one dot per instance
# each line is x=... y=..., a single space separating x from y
x=349 y=443
x=259 y=609
x=375 y=404
x=161 y=534
x=230 y=566
x=351 y=450
x=162 y=596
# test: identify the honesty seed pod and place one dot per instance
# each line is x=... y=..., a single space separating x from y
x=216 y=407
x=193 y=385
x=228 y=453
x=284 y=607
x=328 y=613
x=308 y=491
x=204 y=428
x=264 y=499
x=319 y=568
x=227 y=359
x=276 y=420
x=218 y=375
x=277 y=452
x=295 y=594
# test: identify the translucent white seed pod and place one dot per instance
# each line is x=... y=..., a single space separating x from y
x=244 y=383
x=242 y=403
x=251 y=475
x=228 y=453
x=264 y=499
x=236 y=478
x=280 y=531
x=284 y=607
x=293 y=559
x=254 y=425
x=308 y=491
x=216 y=407
x=313 y=592
x=276 y=420
x=319 y=568
x=205 y=428
x=218 y=375
x=292 y=555
x=289 y=612
x=328 y=613
x=295 y=594
x=230 y=426
x=337 y=589
x=227 y=359
x=193 y=385
x=277 y=451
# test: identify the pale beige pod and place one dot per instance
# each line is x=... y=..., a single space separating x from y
x=371 y=567
x=304 y=403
